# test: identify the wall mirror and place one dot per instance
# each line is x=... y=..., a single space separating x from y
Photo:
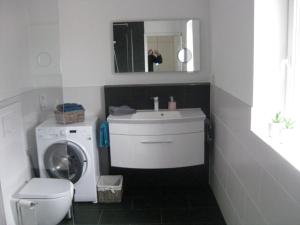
x=156 y=46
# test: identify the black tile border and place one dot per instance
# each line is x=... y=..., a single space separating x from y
x=187 y=95
x=138 y=96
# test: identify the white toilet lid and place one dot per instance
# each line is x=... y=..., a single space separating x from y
x=45 y=188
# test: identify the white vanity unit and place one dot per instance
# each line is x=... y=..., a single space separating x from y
x=157 y=139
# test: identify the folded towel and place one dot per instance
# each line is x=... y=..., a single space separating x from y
x=121 y=110
x=103 y=135
x=69 y=107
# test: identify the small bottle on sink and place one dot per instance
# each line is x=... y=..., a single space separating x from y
x=172 y=104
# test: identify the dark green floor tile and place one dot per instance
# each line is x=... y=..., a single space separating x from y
x=86 y=207
x=202 y=201
x=193 y=216
x=147 y=203
x=175 y=216
x=178 y=192
x=164 y=224
x=143 y=192
x=87 y=217
x=173 y=202
x=200 y=215
x=125 y=204
x=148 y=206
x=130 y=216
x=160 y=203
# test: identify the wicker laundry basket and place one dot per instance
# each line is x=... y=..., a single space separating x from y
x=69 y=117
x=110 y=189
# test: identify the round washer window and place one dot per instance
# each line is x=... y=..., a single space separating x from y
x=65 y=160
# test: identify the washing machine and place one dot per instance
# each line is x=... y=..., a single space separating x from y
x=70 y=152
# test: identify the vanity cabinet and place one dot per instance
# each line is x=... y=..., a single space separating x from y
x=155 y=142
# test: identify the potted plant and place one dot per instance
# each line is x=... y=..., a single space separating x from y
x=275 y=126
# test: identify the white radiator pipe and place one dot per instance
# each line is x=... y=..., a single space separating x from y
x=27 y=212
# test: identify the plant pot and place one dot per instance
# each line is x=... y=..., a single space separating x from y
x=287 y=135
x=275 y=130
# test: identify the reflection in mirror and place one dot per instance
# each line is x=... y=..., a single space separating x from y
x=185 y=55
x=156 y=46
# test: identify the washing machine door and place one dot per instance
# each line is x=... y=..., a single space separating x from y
x=65 y=160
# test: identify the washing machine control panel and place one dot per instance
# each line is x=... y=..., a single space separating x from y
x=76 y=132
x=63 y=133
x=51 y=133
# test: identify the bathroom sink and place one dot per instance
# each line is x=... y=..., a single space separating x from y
x=159 y=115
x=144 y=116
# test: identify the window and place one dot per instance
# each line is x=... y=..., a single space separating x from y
x=292 y=80
x=276 y=85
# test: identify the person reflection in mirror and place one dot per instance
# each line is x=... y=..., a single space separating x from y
x=153 y=57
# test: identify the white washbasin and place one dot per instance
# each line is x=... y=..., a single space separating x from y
x=144 y=116
x=151 y=115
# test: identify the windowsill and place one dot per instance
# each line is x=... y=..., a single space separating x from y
x=288 y=148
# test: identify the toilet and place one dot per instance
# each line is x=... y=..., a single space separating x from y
x=51 y=199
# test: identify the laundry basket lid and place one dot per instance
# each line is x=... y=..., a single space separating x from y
x=45 y=188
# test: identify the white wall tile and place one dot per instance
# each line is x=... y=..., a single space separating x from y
x=233 y=113
x=14 y=162
x=224 y=202
x=2 y=213
x=256 y=175
x=252 y=215
x=289 y=177
x=235 y=192
x=277 y=205
x=268 y=158
x=34 y=114
x=220 y=168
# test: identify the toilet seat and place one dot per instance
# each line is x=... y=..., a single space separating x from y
x=45 y=188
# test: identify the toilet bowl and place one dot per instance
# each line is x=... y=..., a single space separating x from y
x=51 y=198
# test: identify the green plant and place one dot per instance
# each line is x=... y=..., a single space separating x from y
x=277 y=118
x=288 y=123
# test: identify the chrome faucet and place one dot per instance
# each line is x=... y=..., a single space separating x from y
x=156 y=103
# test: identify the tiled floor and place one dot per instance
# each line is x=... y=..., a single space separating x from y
x=153 y=206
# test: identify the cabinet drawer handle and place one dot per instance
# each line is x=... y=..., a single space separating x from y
x=156 y=142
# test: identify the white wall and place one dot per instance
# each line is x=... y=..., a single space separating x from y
x=86 y=39
x=2 y=213
x=252 y=183
x=18 y=84
x=86 y=43
x=46 y=80
x=44 y=41
x=24 y=30
x=232 y=46
x=14 y=66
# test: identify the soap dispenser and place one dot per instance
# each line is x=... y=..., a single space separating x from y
x=156 y=103
x=172 y=104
